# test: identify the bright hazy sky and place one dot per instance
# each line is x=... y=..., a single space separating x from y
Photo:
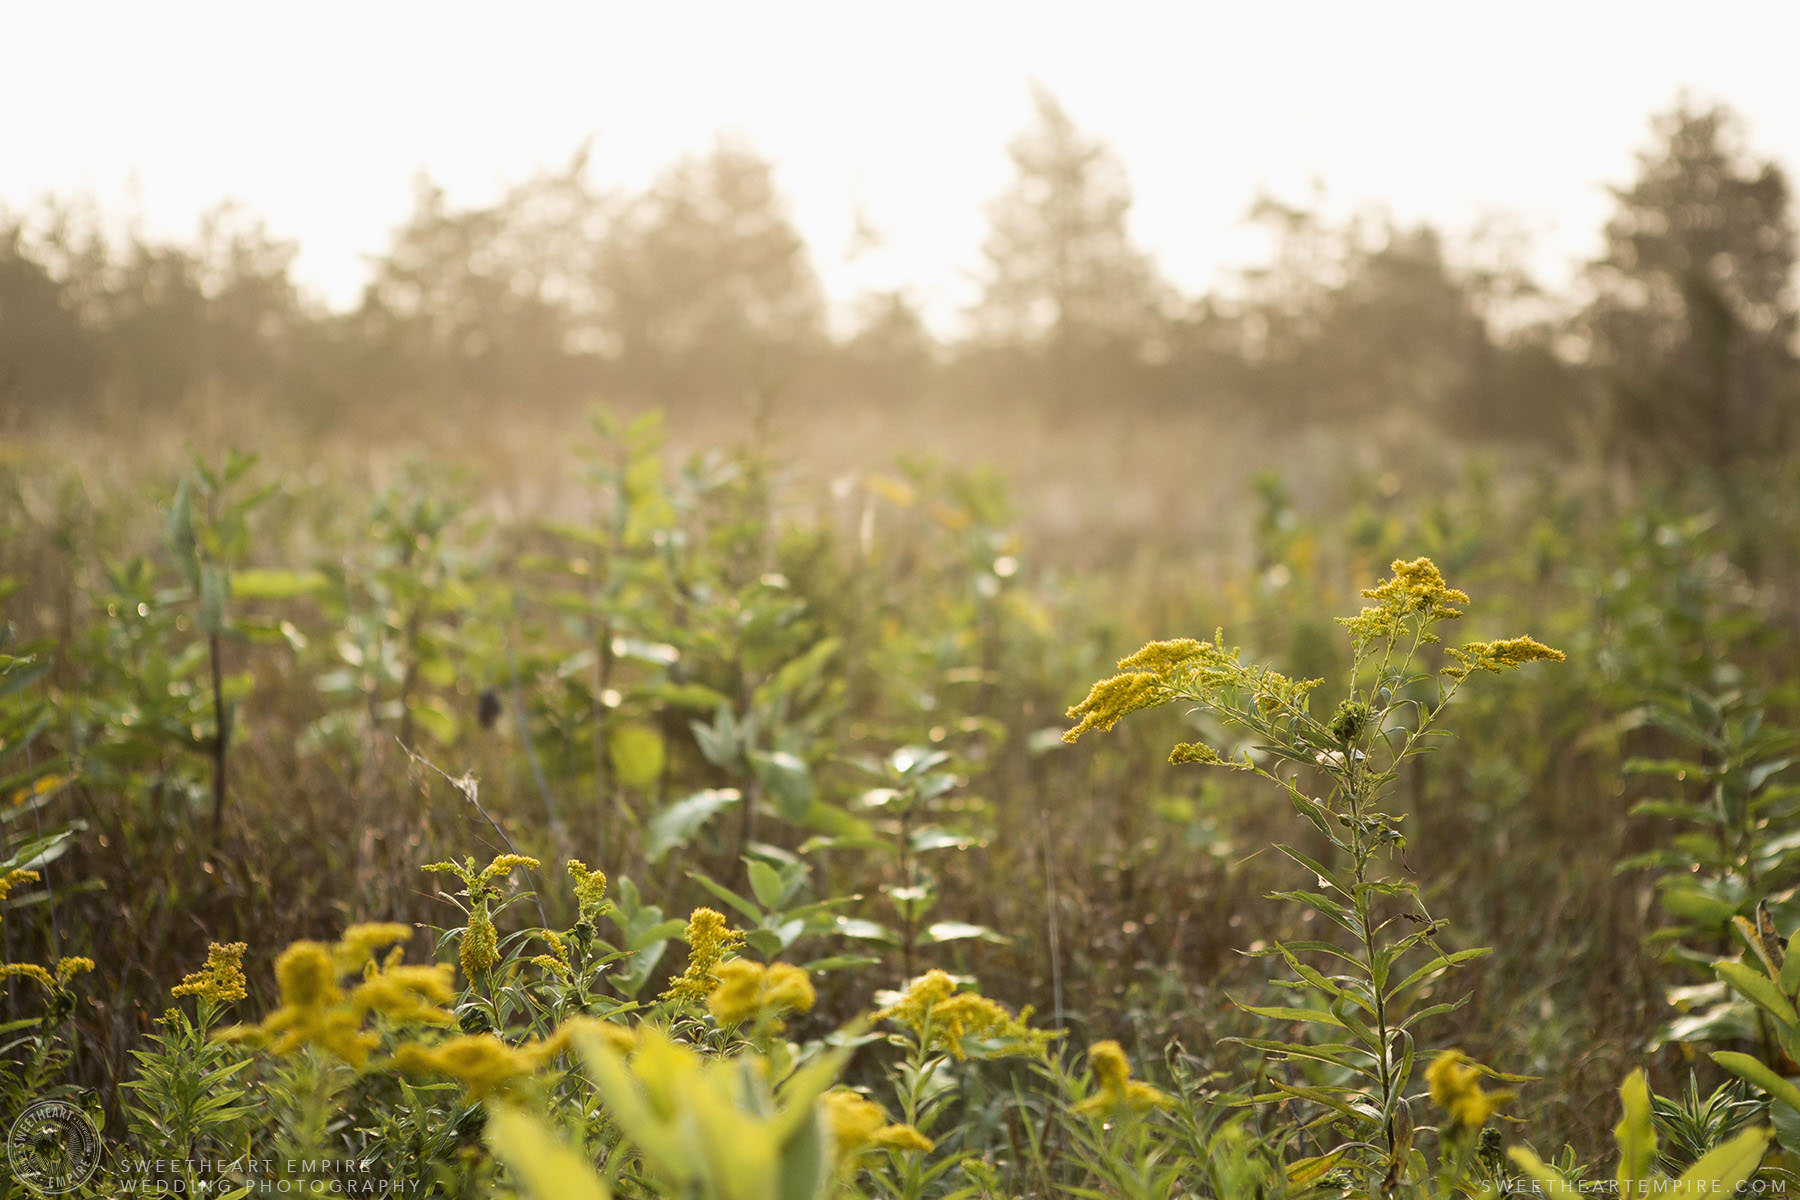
x=318 y=115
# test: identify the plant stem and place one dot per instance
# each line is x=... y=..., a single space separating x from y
x=221 y=734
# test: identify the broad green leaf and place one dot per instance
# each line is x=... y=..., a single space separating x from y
x=1759 y=989
x=1636 y=1135
x=676 y=824
x=789 y=782
x=765 y=882
x=1755 y=1071
x=1722 y=1168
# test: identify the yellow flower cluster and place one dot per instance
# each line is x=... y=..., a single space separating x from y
x=1455 y=1083
x=221 y=980
x=709 y=940
x=590 y=889
x=557 y=961
x=858 y=1125
x=361 y=943
x=747 y=989
x=1201 y=753
x=1112 y=699
x=483 y=1064
x=480 y=944
x=480 y=882
x=1506 y=655
x=315 y=1010
x=13 y=879
x=1415 y=590
x=480 y=941
x=1119 y=1092
x=51 y=979
x=943 y=1017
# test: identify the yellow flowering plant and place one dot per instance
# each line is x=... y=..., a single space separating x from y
x=1366 y=990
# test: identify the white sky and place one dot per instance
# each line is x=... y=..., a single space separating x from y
x=318 y=115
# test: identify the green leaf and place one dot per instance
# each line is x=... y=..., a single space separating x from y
x=1636 y=1135
x=1755 y=1071
x=955 y=931
x=766 y=882
x=678 y=823
x=275 y=584
x=637 y=753
x=1722 y=1168
x=1759 y=989
x=789 y=781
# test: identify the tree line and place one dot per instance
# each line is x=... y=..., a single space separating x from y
x=1679 y=348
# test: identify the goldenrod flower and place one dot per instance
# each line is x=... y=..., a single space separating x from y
x=68 y=968
x=934 y=1010
x=505 y=864
x=857 y=1124
x=361 y=943
x=408 y=995
x=746 y=989
x=13 y=879
x=590 y=888
x=1418 y=587
x=1199 y=752
x=29 y=971
x=315 y=1011
x=1455 y=1083
x=480 y=944
x=1118 y=1090
x=1415 y=590
x=620 y=1038
x=306 y=975
x=481 y=1062
x=709 y=940
x=1506 y=655
x=221 y=980
x=1110 y=700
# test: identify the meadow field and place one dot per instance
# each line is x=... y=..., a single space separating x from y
x=1314 y=754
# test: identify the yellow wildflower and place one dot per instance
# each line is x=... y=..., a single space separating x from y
x=480 y=944
x=747 y=989
x=504 y=864
x=1416 y=589
x=1110 y=700
x=709 y=940
x=68 y=968
x=1455 y=1083
x=361 y=943
x=590 y=888
x=28 y=971
x=1118 y=1090
x=1200 y=752
x=619 y=1037
x=306 y=975
x=934 y=1010
x=221 y=980
x=408 y=994
x=481 y=1062
x=1506 y=655
x=13 y=879
x=857 y=1124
